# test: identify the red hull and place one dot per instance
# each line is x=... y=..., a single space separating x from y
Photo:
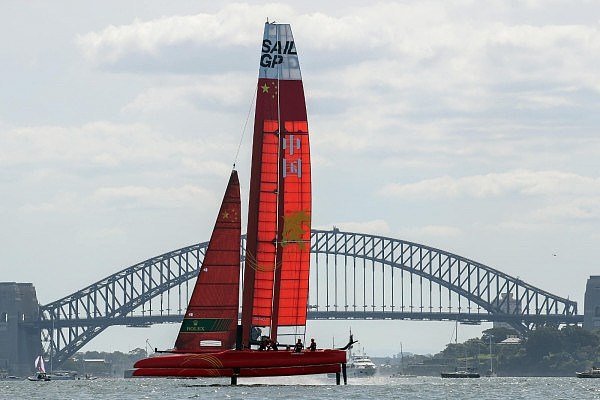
x=243 y=372
x=243 y=363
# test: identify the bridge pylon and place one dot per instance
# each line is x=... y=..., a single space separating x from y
x=19 y=341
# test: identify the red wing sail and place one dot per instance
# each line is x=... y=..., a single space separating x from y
x=279 y=212
x=292 y=282
x=210 y=322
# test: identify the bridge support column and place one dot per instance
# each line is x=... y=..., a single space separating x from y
x=19 y=342
x=591 y=304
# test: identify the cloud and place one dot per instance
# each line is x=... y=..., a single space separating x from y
x=122 y=197
x=437 y=46
x=102 y=143
x=228 y=91
x=207 y=39
x=556 y=214
x=415 y=85
x=137 y=196
x=578 y=209
x=436 y=231
x=520 y=182
x=59 y=203
x=377 y=227
x=106 y=146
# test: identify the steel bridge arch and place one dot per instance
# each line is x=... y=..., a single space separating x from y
x=502 y=297
x=374 y=269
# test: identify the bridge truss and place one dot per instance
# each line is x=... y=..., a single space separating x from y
x=353 y=276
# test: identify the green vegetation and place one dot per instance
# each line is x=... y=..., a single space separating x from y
x=546 y=351
x=103 y=364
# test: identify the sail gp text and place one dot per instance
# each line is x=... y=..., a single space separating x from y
x=272 y=52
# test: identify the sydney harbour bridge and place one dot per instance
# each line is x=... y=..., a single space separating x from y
x=353 y=276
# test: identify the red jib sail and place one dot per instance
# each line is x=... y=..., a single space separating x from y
x=279 y=213
x=210 y=322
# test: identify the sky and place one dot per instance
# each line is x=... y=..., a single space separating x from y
x=467 y=126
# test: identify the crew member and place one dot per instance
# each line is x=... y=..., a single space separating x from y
x=313 y=345
x=299 y=346
x=263 y=345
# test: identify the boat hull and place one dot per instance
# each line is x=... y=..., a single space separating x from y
x=243 y=372
x=361 y=372
x=243 y=363
x=357 y=373
x=39 y=378
x=460 y=375
x=587 y=375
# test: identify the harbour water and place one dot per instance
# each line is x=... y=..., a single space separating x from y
x=306 y=388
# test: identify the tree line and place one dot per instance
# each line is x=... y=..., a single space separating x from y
x=545 y=351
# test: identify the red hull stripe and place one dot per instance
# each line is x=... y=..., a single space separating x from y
x=243 y=372
x=244 y=359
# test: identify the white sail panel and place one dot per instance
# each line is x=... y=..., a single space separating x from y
x=278 y=58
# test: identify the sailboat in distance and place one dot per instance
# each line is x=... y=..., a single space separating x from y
x=40 y=369
x=268 y=341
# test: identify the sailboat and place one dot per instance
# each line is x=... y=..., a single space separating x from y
x=491 y=373
x=460 y=373
x=268 y=342
x=40 y=370
x=402 y=373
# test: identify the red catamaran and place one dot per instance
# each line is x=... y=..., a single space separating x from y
x=275 y=293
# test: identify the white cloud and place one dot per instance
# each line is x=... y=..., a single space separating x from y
x=437 y=230
x=219 y=91
x=582 y=209
x=101 y=142
x=136 y=196
x=59 y=203
x=521 y=182
x=232 y=26
x=376 y=227
x=437 y=46
x=77 y=149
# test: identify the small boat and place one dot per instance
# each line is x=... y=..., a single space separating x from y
x=594 y=372
x=41 y=371
x=40 y=376
x=274 y=288
x=360 y=365
x=62 y=376
x=468 y=373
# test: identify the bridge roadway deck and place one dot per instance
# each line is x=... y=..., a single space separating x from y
x=468 y=318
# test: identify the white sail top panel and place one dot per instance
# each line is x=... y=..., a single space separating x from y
x=279 y=59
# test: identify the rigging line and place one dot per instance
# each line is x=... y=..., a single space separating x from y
x=237 y=153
